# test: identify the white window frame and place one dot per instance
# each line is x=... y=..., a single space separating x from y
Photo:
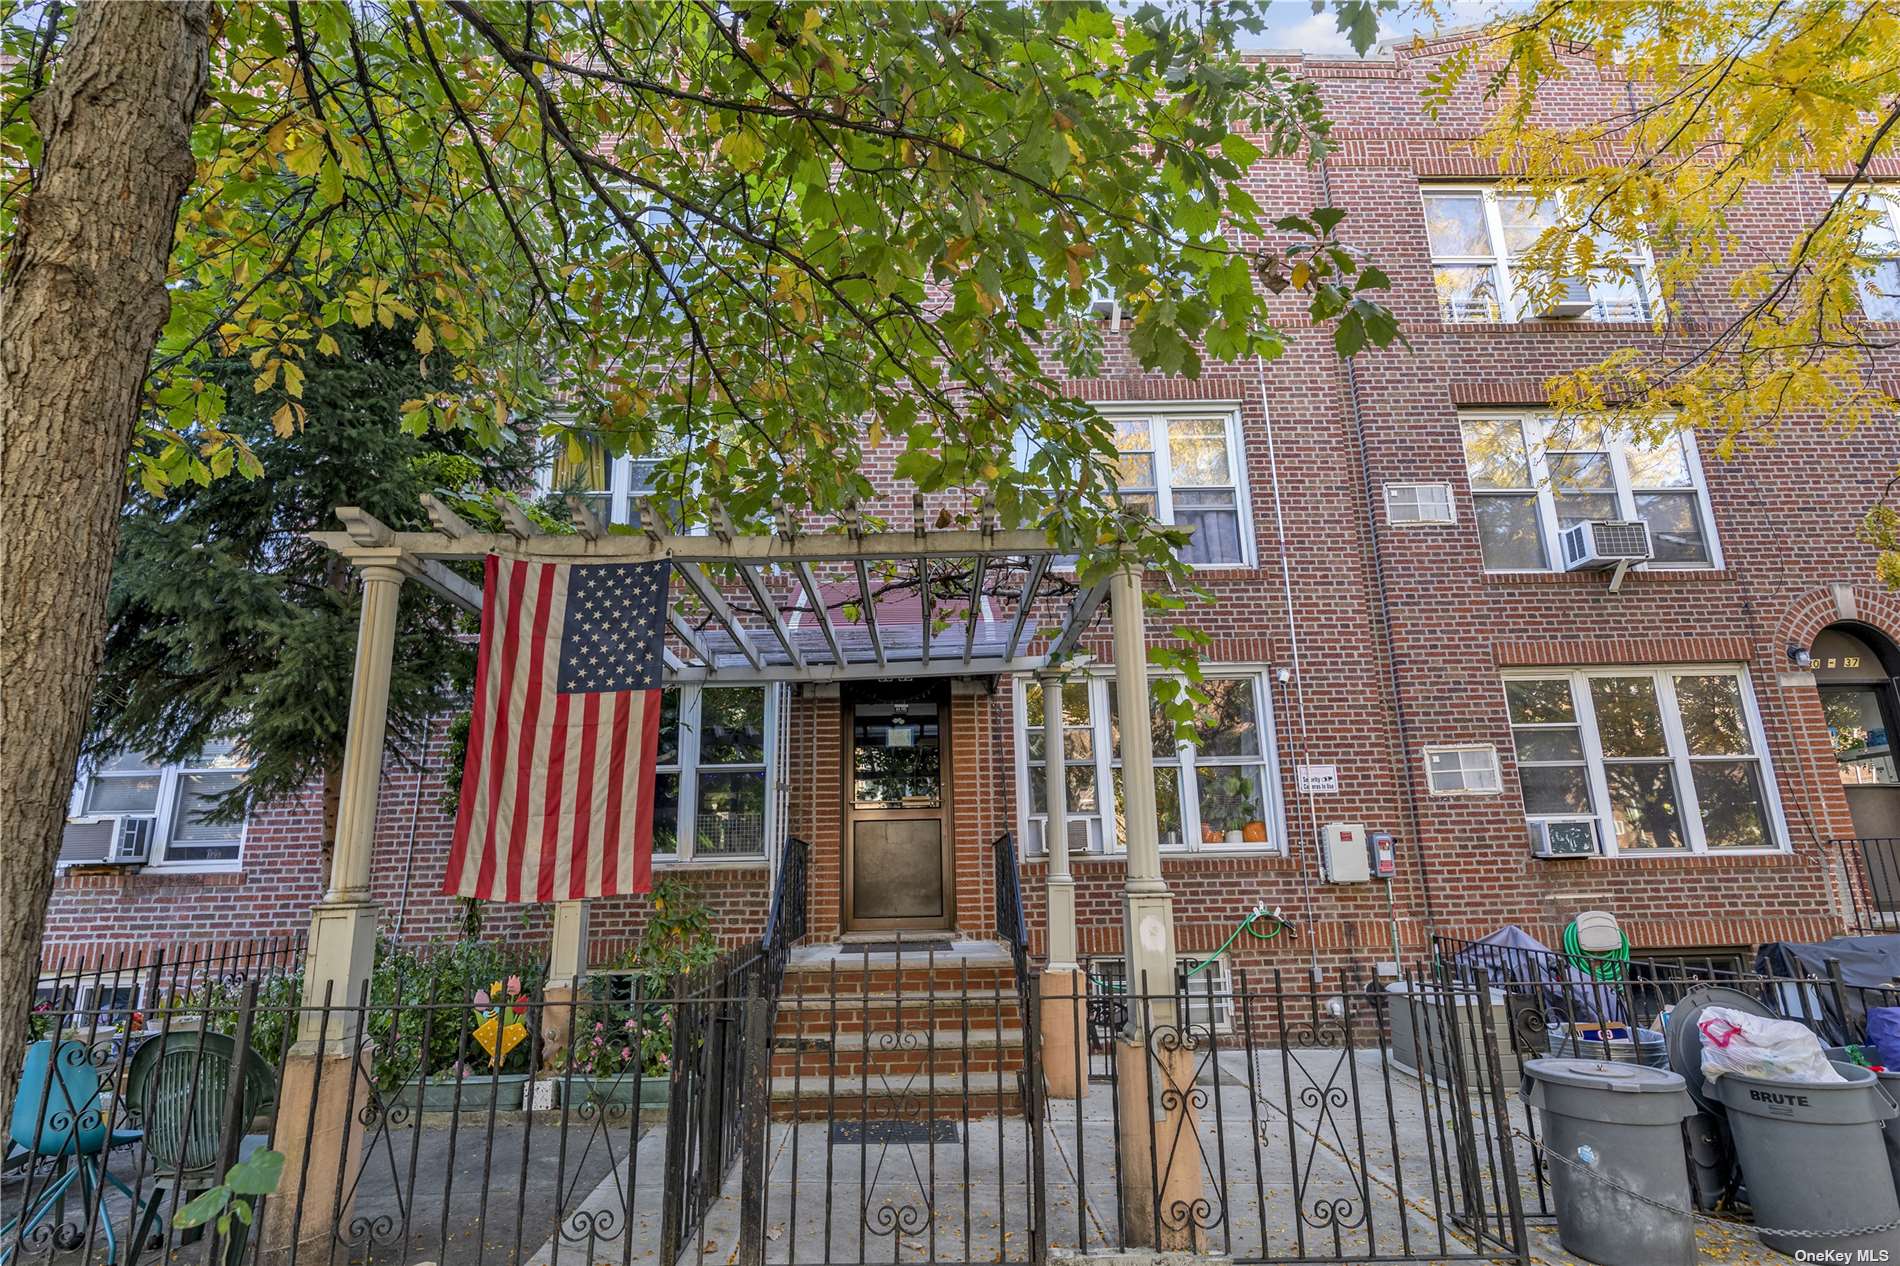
x=1158 y=414
x=1537 y=427
x=1395 y=490
x=1675 y=743
x=1499 y=260
x=1885 y=197
x=689 y=768
x=164 y=814
x=1031 y=828
x=1488 y=750
x=627 y=478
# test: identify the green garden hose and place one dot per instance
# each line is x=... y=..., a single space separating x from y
x=1597 y=964
x=1247 y=926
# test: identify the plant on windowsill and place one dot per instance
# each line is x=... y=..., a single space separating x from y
x=1236 y=794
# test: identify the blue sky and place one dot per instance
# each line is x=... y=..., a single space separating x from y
x=1292 y=24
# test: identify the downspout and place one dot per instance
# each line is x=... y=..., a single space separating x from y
x=1382 y=620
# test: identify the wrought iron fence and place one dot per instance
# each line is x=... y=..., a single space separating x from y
x=1012 y=924
x=106 y=978
x=785 y=920
x=1277 y=1126
x=1870 y=873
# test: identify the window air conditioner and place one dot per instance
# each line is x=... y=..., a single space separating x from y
x=1568 y=304
x=1564 y=837
x=1600 y=544
x=132 y=839
x=1082 y=834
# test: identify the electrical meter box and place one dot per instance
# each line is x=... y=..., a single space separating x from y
x=1382 y=855
x=1342 y=853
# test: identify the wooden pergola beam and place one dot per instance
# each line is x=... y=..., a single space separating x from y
x=809 y=583
x=768 y=606
x=1081 y=611
x=869 y=607
x=1032 y=583
x=621 y=547
x=696 y=578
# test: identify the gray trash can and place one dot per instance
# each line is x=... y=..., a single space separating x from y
x=1814 y=1159
x=1615 y=1043
x=1619 y=1125
x=1890 y=1130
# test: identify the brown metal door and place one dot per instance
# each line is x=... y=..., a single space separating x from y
x=897 y=855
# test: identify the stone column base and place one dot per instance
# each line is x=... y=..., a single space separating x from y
x=320 y=1115
x=1063 y=1021
x=1160 y=1149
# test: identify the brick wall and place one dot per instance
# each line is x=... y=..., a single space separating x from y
x=1398 y=636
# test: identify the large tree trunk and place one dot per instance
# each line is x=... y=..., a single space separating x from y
x=81 y=305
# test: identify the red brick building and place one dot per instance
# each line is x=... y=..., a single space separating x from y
x=1394 y=616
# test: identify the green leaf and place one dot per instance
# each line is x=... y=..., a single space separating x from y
x=257 y=1174
x=202 y=1208
x=329 y=182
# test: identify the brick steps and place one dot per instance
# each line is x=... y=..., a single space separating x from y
x=856 y=1031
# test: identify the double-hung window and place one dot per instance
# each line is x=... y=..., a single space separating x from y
x=175 y=800
x=1219 y=789
x=1185 y=468
x=712 y=792
x=610 y=486
x=1880 y=253
x=1533 y=476
x=1479 y=238
x=1664 y=760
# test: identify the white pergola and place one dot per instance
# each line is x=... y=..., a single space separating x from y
x=792 y=604
x=765 y=606
x=793 y=584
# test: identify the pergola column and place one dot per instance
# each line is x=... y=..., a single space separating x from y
x=567 y=978
x=1064 y=995
x=1152 y=1054
x=326 y=1083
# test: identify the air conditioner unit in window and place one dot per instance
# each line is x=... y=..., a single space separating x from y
x=132 y=839
x=1564 y=837
x=1082 y=834
x=1603 y=544
x=1568 y=304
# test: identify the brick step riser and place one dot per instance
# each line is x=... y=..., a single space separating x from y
x=822 y=1025
x=805 y=1107
x=814 y=1067
x=980 y=981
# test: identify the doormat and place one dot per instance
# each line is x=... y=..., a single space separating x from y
x=894 y=1132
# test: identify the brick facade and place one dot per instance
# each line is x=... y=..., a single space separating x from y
x=1399 y=635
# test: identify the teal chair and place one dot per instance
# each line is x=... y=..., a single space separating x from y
x=177 y=1088
x=59 y=1115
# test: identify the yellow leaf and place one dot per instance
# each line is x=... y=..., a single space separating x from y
x=1302 y=273
x=293 y=378
x=326 y=346
x=424 y=340
x=284 y=421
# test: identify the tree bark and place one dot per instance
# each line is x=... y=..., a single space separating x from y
x=82 y=301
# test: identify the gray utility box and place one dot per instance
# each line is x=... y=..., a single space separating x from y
x=1421 y=1033
x=1613 y=1129
x=1814 y=1160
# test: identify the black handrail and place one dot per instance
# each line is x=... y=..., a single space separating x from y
x=1871 y=881
x=1012 y=924
x=785 y=921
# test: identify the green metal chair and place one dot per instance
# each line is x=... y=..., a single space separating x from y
x=177 y=1088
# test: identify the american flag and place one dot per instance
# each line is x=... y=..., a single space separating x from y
x=557 y=790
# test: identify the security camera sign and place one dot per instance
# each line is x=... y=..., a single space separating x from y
x=1319 y=780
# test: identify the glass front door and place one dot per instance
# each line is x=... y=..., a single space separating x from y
x=897 y=855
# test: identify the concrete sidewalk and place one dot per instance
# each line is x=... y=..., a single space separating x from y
x=1308 y=1176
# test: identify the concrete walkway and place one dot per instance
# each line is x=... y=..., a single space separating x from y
x=1324 y=1182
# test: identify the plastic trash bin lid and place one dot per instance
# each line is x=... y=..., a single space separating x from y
x=1684 y=1039
x=1604 y=1075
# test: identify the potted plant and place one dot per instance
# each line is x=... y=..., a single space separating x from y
x=620 y=1059
x=1234 y=793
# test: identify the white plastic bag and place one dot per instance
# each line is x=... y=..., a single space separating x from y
x=1756 y=1046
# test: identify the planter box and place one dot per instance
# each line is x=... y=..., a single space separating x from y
x=655 y=1091
x=476 y=1093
